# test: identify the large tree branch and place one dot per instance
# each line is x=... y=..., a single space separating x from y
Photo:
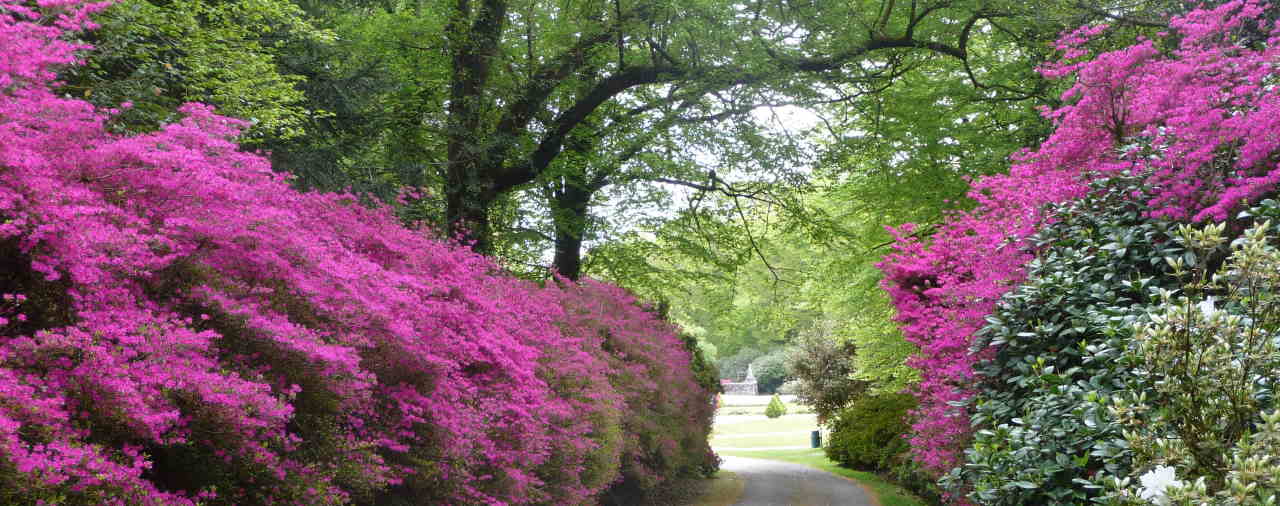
x=1013 y=94
x=816 y=65
x=553 y=142
x=1084 y=5
x=512 y=173
x=915 y=19
x=517 y=116
x=716 y=185
x=474 y=46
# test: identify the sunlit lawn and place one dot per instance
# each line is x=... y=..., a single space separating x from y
x=758 y=431
x=755 y=404
x=740 y=423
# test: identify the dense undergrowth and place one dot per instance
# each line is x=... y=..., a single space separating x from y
x=1100 y=327
x=182 y=326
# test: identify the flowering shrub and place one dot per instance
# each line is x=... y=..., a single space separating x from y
x=1042 y=424
x=1197 y=123
x=666 y=387
x=1156 y=484
x=184 y=327
x=1252 y=474
x=1204 y=370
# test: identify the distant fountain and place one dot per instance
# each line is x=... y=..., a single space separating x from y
x=747 y=386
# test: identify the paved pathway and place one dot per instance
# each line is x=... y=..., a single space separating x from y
x=773 y=483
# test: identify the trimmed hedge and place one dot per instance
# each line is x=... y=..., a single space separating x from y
x=868 y=434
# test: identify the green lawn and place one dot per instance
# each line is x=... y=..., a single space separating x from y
x=752 y=424
x=755 y=405
x=887 y=493
x=723 y=489
x=761 y=432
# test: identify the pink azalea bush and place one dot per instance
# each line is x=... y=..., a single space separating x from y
x=1201 y=124
x=664 y=428
x=181 y=326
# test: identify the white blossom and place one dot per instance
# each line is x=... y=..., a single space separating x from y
x=1207 y=308
x=1156 y=482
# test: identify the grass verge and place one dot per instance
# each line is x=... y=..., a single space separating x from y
x=887 y=493
x=761 y=432
x=738 y=425
x=723 y=489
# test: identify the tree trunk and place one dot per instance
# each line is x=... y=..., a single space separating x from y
x=568 y=261
x=467 y=211
x=569 y=211
x=469 y=185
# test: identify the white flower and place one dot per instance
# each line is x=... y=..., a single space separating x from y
x=1155 y=482
x=1206 y=307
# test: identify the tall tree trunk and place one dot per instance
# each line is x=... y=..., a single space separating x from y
x=569 y=212
x=568 y=261
x=467 y=212
x=470 y=190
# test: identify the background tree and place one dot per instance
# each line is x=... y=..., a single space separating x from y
x=497 y=97
x=823 y=370
x=159 y=55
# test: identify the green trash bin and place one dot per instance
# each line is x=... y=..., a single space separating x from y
x=815 y=439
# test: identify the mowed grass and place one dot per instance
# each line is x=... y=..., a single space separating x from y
x=887 y=493
x=755 y=405
x=723 y=489
x=740 y=423
x=734 y=424
x=759 y=431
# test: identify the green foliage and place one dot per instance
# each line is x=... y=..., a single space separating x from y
x=734 y=367
x=159 y=55
x=771 y=370
x=1054 y=345
x=789 y=387
x=826 y=286
x=869 y=433
x=704 y=371
x=775 y=408
x=823 y=369
x=912 y=476
x=1252 y=475
x=1205 y=366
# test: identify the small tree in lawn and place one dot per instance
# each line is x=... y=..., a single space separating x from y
x=775 y=408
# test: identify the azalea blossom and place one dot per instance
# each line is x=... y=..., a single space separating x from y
x=1207 y=308
x=1156 y=483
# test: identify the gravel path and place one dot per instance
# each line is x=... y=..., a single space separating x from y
x=773 y=483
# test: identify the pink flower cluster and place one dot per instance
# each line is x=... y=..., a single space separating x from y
x=1200 y=123
x=665 y=428
x=193 y=329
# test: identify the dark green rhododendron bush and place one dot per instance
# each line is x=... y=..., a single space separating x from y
x=181 y=326
x=1045 y=315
